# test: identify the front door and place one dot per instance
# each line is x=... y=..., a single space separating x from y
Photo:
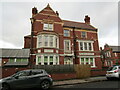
x=68 y=60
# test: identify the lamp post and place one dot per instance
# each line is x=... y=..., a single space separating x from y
x=31 y=43
x=102 y=56
x=74 y=44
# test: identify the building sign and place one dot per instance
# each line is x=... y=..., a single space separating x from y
x=48 y=50
x=86 y=53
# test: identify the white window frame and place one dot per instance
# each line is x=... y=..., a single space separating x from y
x=66 y=34
x=46 y=39
x=84 y=34
x=86 y=41
x=88 y=61
x=46 y=26
x=48 y=45
x=48 y=63
x=65 y=45
x=51 y=40
x=68 y=63
x=115 y=54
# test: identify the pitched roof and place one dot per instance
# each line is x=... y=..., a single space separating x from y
x=48 y=10
x=78 y=25
x=115 y=48
x=15 y=53
x=47 y=13
x=16 y=63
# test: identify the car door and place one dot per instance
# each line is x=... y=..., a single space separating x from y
x=34 y=79
x=20 y=80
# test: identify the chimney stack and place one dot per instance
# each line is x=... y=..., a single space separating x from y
x=34 y=11
x=87 y=19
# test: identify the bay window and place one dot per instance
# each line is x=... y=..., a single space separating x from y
x=47 y=41
x=51 y=41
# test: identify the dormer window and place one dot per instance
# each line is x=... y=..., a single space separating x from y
x=48 y=26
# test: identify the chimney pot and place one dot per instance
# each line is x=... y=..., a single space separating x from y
x=87 y=19
x=57 y=13
x=34 y=11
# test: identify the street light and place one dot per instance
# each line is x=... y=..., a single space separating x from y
x=32 y=40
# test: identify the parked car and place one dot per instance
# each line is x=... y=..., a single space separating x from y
x=37 y=78
x=113 y=72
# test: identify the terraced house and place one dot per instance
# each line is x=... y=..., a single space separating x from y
x=54 y=41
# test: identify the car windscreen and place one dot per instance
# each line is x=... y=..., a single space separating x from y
x=112 y=68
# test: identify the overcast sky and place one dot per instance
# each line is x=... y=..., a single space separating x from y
x=15 y=18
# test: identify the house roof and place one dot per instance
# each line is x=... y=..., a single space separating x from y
x=16 y=63
x=47 y=13
x=115 y=48
x=14 y=53
x=78 y=25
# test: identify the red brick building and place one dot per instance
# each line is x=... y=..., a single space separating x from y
x=110 y=55
x=54 y=41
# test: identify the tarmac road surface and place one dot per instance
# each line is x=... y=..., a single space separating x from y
x=113 y=85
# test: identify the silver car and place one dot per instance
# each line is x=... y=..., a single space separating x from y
x=113 y=72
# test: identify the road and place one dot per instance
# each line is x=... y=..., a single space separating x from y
x=107 y=85
x=101 y=85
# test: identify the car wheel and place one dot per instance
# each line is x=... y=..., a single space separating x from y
x=5 y=87
x=45 y=84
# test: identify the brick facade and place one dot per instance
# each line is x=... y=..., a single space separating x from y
x=64 y=42
x=110 y=55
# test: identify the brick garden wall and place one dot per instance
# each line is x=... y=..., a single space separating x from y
x=60 y=72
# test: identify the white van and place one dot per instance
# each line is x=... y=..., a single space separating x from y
x=113 y=72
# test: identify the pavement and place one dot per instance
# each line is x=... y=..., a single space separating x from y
x=79 y=81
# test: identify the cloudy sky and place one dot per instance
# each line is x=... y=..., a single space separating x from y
x=15 y=18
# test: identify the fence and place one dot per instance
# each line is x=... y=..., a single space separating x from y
x=82 y=71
